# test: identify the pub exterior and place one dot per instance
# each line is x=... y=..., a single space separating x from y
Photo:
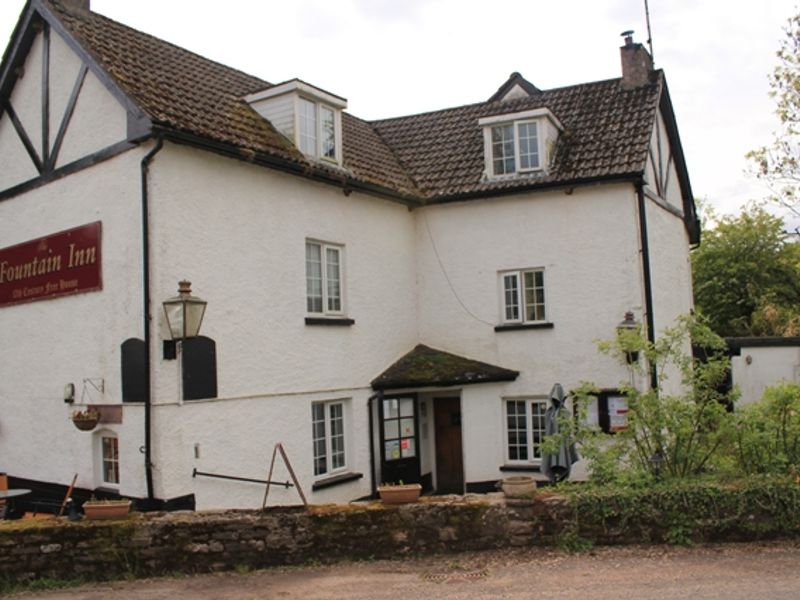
x=389 y=300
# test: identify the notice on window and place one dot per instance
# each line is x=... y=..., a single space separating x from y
x=617 y=413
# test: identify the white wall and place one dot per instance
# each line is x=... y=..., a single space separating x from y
x=237 y=437
x=97 y=122
x=49 y=343
x=238 y=232
x=767 y=366
x=587 y=242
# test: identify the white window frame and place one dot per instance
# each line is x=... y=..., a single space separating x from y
x=520 y=304
x=100 y=459
x=328 y=451
x=541 y=117
x=517 y=156
x=326 y=297
x=319 y=110
x=535 y=408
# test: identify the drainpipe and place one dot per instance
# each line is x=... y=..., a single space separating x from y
x=648 y=283
x=148 y=463
x=373 y=488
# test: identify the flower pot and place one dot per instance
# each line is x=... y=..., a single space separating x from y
x=518 y=486
x=86 y=424
x=400 y=494
x=108 y=509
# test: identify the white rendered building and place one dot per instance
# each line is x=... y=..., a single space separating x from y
x=389 y=300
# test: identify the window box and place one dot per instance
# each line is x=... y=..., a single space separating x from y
x=106 y=509
x=403 y=493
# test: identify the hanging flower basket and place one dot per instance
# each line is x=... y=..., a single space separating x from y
x=85 y=420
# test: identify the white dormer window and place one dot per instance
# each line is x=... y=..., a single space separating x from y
x=307 y=115
x=520 y=142
x=317 y=130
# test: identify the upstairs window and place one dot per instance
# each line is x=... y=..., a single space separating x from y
x=324 y=278
x=519 y=143
x=305 y=114
x=515 y=148
x=317 y=135
x=523 y=296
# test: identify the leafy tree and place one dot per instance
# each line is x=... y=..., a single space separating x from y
x=779 y=163
x=747 y=276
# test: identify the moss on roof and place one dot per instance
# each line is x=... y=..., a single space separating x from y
x=425 y=366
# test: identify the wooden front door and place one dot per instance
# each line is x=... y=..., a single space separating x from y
x=449 y=461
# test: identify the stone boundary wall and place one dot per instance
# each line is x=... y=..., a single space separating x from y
x=187 y=542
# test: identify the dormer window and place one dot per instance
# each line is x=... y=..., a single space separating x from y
x=520 y=142
x=317 y=130
x=309 y=116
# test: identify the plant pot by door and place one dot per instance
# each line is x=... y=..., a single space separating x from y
x=400 y=494
x=518 y=486
x=106 y=509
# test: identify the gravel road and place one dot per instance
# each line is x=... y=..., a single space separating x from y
x=750 y=571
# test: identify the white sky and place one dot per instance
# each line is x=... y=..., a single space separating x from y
x=398 y=57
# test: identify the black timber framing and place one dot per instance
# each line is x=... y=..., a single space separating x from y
x=62 y=130
x=23 y=135
x=46 y=96
x=73 y=167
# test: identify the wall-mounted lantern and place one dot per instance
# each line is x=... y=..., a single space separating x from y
x=629 y=324
x=184 y=312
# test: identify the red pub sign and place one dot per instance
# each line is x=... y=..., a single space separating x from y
x=67 y=262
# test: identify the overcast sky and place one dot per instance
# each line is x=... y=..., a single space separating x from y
x=398 y=57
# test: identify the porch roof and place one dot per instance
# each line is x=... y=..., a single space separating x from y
x=425 y=366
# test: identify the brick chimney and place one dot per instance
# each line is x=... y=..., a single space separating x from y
x=637 y=66
x=76 y=4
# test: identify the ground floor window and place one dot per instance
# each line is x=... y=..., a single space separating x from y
x=328 y=436
x=525 y=429
x=109 y=459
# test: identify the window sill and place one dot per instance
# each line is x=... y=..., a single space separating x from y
x=330 y=321
x=520 y=468
x=520 y=326
x=335 y=480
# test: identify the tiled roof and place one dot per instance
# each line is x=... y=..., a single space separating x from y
x=426 y=157
x=425 y=366
x=607 y=134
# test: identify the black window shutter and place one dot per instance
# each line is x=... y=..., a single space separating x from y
x=133 y=371
x=199 y=355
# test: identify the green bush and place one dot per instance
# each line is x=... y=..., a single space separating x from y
x=768 y=432
x=686 y=512
x=669 y=435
